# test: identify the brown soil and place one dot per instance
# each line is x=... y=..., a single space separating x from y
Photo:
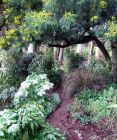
x=73 y=130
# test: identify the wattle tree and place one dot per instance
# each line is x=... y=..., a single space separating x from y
x=56 y=21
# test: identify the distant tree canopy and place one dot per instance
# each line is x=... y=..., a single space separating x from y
x=53 y=21
x=56 y=21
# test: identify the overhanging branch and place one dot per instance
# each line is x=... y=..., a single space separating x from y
x=84 y=39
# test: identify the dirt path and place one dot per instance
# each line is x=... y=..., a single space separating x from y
x=74 y=130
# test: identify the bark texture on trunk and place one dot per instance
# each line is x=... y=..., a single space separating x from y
x=79 y=48
x=114 y=60
x=61 y=53
x=98 y=54
x=102 y=48
x=31 y=48
x=55 y=54
x=90 y=50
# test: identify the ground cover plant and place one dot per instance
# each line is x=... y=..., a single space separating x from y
x=27 y=119
x=93 y=106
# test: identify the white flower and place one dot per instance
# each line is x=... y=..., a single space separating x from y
x=13 y=128
x=41 y=92
x=1 y=133
x=43 y=76
x=25 y=85
x=19 y=94
x=1 y=113
x=35 y=82
x=46 y=87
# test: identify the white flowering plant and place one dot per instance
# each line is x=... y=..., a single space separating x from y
x=27 y=119
x=33 y=88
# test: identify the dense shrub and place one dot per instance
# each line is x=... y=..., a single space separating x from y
x=72 y=60
x=6 y=97
x=45 y=64
x=101 y=68
x=93 y=106
x=77 y=81
x=13 y=68
x=27 y=119
x=9 y=71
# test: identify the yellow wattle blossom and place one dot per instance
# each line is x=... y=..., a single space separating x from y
x=8 y=37
x=10 y=32
x=17 y=20
x=2 y=42
x=103 y=4
x=44 y=14
x=112 y=29
x=68 y=15
x=94 y=19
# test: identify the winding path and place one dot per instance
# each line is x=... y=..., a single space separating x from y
x=73 y=130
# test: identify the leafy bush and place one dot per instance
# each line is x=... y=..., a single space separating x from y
x=50 y=133
x=72 y=60
x=95 y=106
x=77 y=81
x=45 y=64
x=6 y=97
x=10 y=70
x=27 y=119
x=13 y=68
x=101 y=68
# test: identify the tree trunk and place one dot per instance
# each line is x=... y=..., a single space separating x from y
x=31 y=48
x=102 y=48
x=98 y=54
x=114 y=60
x=60 y=59
x=79 y=48
x=90 y=50
x=55 y=54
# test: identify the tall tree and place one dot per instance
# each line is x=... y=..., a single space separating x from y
x=55 y=21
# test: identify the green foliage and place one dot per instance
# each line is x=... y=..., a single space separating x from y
x=72 y=60
x=42 y=20
x=101 y=68
x=45 y=64
x=10 y=73
x=50 y=133
x=27 y=119
x=56 y=98
x=94 y=105
x=36 y=24
x=6 y=97
x=67 y=21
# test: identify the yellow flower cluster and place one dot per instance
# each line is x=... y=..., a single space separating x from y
x=112 y=29
x=68 y=15
x=10 y=33
x=103 y=4
x=94 y=18
x=2 y=42
x=17 y=20
x=44 y=15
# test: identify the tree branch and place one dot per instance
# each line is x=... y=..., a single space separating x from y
x=84 y=39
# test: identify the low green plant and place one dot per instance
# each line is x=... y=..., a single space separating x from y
x=6 y=97
x=45 y=64
x=101 y=68
x=94 y=105
x=27 y=119
x=50 y=133
x=56 y=98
